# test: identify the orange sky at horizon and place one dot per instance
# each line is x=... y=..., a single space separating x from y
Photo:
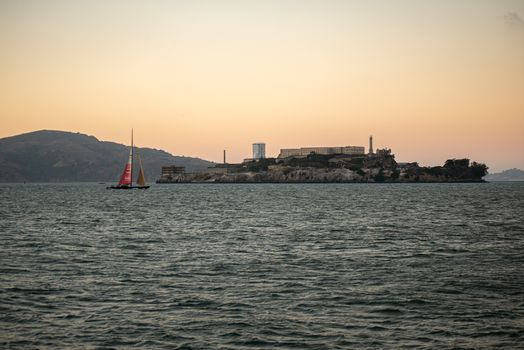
x=430 y=80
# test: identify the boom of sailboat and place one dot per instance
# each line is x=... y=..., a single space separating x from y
x=126 y=179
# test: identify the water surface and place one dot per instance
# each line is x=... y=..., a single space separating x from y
x=250 y=266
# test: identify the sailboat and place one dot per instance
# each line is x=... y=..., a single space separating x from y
x=126 y=179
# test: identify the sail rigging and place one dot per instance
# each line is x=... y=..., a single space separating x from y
x=140 y=180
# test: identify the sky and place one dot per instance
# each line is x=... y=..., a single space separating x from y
x=430 y=80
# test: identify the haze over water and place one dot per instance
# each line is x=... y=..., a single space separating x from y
x=243 y=266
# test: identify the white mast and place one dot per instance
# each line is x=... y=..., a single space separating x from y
x=131 y=157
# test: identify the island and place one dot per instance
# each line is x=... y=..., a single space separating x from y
x=342 y=167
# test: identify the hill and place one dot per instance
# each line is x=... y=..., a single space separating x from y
x=506 y=175
x=58 y=156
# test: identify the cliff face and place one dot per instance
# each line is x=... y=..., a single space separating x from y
x=380 y=167
x=275 y=174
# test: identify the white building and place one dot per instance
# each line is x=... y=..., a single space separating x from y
x=304 y=151
x=259 y=151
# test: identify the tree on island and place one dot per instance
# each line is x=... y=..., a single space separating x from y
x=461 y=169
x=478 y=170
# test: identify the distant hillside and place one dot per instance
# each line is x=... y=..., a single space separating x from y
x=58 y=156
x=506 y=175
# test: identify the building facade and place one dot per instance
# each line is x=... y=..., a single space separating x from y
x=171 y=171
x=304 y=151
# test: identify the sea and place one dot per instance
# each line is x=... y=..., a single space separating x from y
x=262 y=266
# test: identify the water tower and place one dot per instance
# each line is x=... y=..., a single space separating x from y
x=259 y=150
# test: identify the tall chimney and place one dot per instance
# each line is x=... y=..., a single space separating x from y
x=371 y=145
x=224 y=156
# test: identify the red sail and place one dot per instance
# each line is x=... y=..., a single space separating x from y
x=125 y=178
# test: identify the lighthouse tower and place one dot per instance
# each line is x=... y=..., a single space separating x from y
x=370 y=145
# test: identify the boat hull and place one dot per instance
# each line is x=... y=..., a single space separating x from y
x=127 y=187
